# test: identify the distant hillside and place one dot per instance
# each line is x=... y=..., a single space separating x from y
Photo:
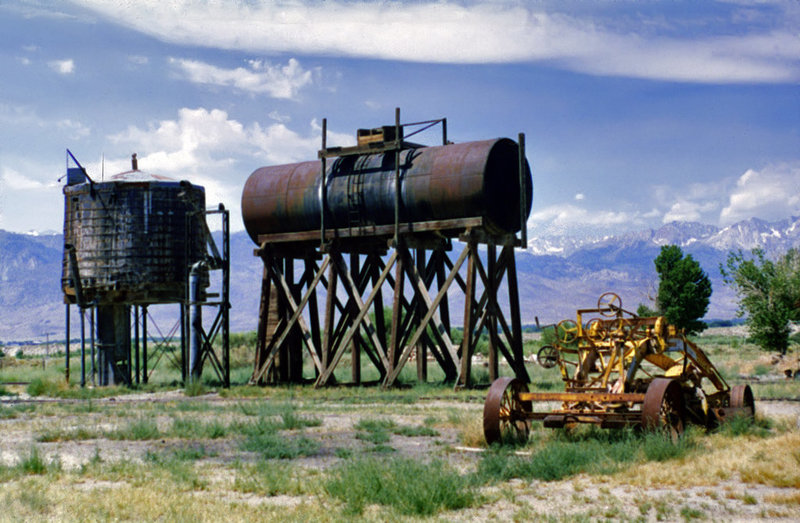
x=551 y=286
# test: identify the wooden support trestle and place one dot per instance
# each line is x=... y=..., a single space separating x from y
x=336 y=311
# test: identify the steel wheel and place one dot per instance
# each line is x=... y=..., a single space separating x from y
x=663 y=407
x=595 y=329
x=567 y=331
x=610 y=304
x=504 y=414
x=742 y=397
x=547 y=356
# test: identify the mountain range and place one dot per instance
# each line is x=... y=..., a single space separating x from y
x=556 y=274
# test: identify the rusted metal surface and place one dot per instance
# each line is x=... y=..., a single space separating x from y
x=473 y=179
x=505 y=413
x=619 y=370
x=129 y=239
x=372 y=231
x=663 y=406
x=386 y=196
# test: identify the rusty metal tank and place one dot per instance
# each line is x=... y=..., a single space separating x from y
x=472 y=179
x=131 y=238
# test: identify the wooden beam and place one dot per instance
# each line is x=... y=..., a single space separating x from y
x=362 y=316
x=457 y=224
x=432 y=306
x=466 y=343
x=296 y=317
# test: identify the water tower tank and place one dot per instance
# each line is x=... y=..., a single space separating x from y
x=134 y=237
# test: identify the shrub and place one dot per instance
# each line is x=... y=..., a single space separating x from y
x=194 y=388
x=43 y=387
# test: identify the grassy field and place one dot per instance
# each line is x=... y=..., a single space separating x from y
x=159 y=452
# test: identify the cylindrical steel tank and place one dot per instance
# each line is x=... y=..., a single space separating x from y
x=437 y=183
x=134 y=237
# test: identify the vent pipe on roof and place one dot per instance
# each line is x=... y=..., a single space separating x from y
x=134 y=162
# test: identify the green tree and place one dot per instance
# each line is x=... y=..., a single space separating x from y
x=645 y=312
x=769 y=294
x=683 y=290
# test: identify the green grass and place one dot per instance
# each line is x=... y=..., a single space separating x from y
x=189 y=428
x=194 y=388
x=41 y=386
x=262 y=436
x=407 y=486
x=179 y=471
x=378 y=431
x=745 y=426
x=34 y=463
x=590 y=451
x=272 y=480
x=290 y=420
x=277 y=446
x=136 y=430
x=51 y=435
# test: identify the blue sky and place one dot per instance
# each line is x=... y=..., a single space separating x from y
x=636 y=113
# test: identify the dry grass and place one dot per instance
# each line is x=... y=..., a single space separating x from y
x=71 y=498
x=787 y=498
x=767 y=461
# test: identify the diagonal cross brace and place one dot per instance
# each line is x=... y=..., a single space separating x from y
x=432 y=306
x=361 y=316
x=295 y=318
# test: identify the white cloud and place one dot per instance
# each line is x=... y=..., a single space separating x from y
x=279 y=117
x=26 y=117
x=62 y=66
x=689 y=211
x=15 y=181
x=481 y=31
x=579 y=196
x=771 y=193
x=566 y=215
x=260 y=77
x=138 y=60
x=209 y=148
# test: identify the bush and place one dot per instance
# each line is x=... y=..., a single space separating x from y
x=44 y=387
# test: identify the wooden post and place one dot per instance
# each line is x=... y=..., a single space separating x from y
x=330 y=304
x=469 y=319
x=516 y=323
x=355 y=345
x=422 y=353
x=313 y=316
x=397 y=310
x=493 y=310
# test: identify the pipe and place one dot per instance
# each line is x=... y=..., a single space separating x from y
x=196 y=320
x=435 y=183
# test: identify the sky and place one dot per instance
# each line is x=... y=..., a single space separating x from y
x=636 y=113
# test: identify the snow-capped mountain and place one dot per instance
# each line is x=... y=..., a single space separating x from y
x=557 y=275
x=773 y=237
